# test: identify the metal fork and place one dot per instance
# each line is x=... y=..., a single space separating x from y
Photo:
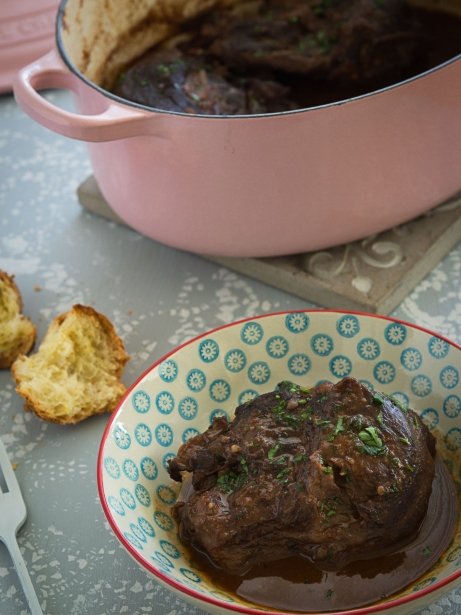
x=12 y=516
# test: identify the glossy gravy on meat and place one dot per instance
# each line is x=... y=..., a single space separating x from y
x=442 y=31
x=295 y=584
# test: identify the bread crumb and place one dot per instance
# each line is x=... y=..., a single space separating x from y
x=76 y=371
x=17 y=332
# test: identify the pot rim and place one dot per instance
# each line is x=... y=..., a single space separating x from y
x=75 y=71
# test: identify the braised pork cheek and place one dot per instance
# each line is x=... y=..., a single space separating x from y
x=335 y=473
x=346 y=40
x=173 y=80
x=266 y=56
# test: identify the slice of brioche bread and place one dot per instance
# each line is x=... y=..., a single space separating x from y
x=75 y=372
x=17 y=333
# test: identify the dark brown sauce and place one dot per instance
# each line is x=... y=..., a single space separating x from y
x=296 y=585
x=441 y=29
x=443 y=33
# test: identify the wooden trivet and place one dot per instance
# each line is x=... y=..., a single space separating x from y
x=373 y=274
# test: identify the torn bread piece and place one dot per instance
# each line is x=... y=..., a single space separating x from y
x=17 y=332
x=76 y=371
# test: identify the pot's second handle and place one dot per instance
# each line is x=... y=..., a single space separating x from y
x=116 y=121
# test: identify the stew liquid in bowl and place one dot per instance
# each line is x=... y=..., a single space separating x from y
x=343 y=477
x=295 y=584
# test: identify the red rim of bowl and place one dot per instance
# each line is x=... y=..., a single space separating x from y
x=199 y=597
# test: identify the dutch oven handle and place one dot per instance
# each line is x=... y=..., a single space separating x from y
x=115 y=122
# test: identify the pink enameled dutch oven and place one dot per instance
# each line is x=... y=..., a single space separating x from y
x=26 y=32
x=256 y=185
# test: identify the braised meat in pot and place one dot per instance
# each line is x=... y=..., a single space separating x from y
x=192 y=83
x=348 y=40
x=265 y=56
x=333 y=473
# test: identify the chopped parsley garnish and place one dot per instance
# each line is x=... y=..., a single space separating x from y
x=378 y=400
x=305 y=414
x=324 y=42
x=321 y=422
x=164 y=69
x=281 y=412
x=291 y=387
x=328 y=507
x=326 y=469
x=244 y=464
x=405 y=441
x=284 y=385
x=231 y=481
x=337 y=430
x=140 y=80
x=291 y=417
x=282 y=459
x=372 y=443
x=282 y=476
x=300 y=457
x=271 y=453
x=396 y=461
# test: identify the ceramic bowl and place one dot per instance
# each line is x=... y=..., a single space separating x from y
x=209 y=376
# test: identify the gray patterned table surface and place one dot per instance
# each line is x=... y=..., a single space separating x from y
x=157 y=297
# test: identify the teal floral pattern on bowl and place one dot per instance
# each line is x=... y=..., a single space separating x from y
x=210 y=376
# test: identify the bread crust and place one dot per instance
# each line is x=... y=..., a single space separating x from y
x=57 y=382
x=22 y=330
